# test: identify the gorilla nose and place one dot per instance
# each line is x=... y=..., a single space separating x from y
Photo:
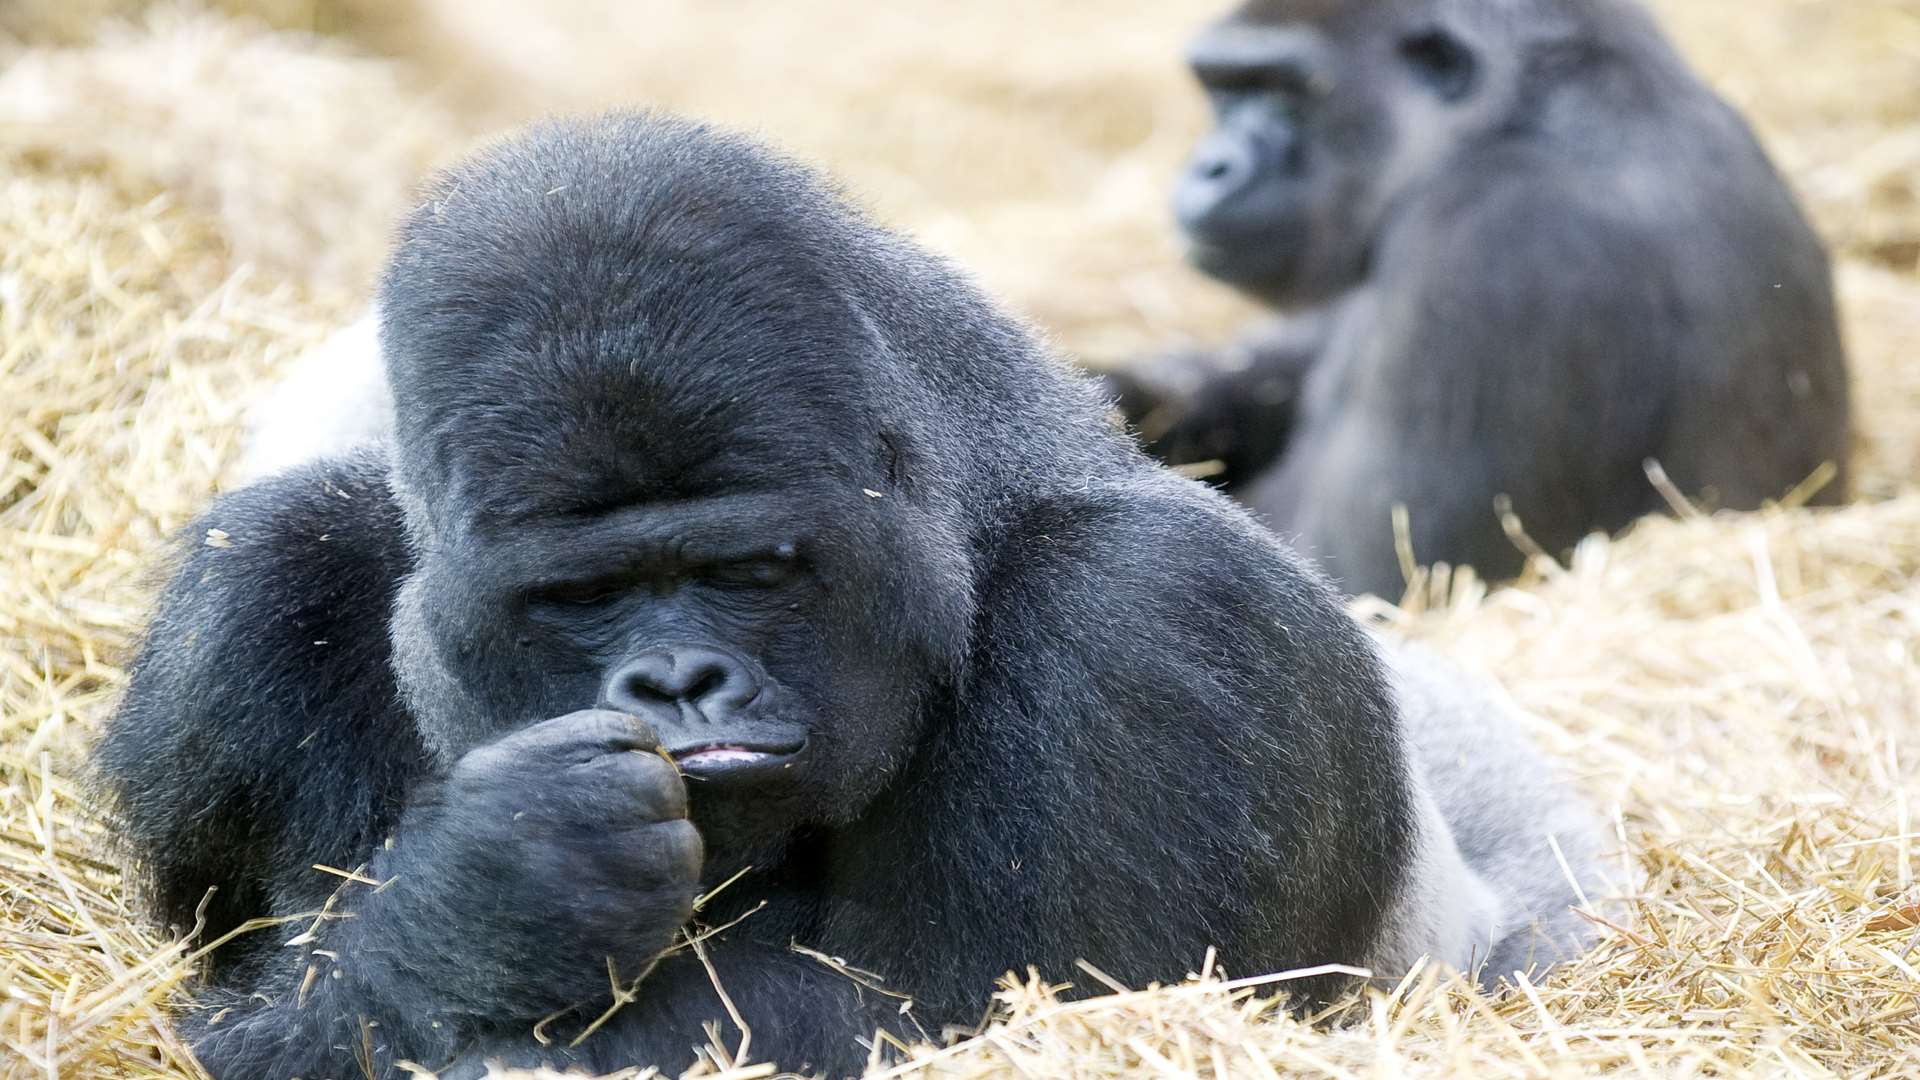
x=1215 y=169
x=712 y=683
x=1219 y=169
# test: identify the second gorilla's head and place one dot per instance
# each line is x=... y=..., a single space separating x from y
x=1327 y=115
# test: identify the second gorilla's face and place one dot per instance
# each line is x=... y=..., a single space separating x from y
x=1247 y=199
x=1325 y=116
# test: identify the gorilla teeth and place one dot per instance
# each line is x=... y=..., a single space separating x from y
x=721 y=755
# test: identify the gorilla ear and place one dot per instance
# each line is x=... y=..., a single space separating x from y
x=1441 y=61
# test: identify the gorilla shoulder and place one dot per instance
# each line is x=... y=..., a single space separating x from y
x=264 y=683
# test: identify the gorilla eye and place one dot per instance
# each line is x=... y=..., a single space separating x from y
x=580 y=593
x=1443 y=62
x=751 y=573
x=1275 y=80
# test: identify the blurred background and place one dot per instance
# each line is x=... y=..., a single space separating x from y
x=1036 y=142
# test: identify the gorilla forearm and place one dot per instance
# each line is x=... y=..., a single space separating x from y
x=322 y=1018
x=1233 y=405
x=363 y=1002
x=798 y=1013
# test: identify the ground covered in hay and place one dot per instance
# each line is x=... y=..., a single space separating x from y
x=190 y=197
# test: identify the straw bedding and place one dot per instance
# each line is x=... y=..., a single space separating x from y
x=189 y=199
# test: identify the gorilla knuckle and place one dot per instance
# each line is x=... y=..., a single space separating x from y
x=586 y=734
x=641 y=778
x=678 y=849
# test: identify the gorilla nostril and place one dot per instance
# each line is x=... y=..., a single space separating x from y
x=649 y=679
x=645 y=691
x=708 y=681
x=724 y=685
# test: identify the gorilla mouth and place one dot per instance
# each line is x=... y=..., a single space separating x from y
x=1232 y=261
x=727 y=760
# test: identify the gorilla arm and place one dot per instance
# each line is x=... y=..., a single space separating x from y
x=1542 y=373
x=1234 y=405
x=261 y=735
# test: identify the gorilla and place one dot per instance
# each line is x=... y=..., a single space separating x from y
x=1522 y=250
x=733 y=556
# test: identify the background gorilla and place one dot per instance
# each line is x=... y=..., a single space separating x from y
x=723 y=532
x=1540 y=253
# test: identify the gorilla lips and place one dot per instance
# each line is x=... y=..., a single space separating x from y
x=733 y=760
x=722 y=755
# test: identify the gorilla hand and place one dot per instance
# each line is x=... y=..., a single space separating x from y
x=541 y=859
x=1224 y=414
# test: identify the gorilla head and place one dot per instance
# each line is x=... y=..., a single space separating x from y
x=680 y=501
x=1327 y=112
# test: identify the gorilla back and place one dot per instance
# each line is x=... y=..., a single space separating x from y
x=726 y=538
x=1534 y=252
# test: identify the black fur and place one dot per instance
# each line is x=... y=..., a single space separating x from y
x=1537 y=253
x=681 y=436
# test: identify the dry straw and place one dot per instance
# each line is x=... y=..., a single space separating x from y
x=178 y=217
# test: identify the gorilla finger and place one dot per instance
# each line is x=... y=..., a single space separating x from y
x=580 y=736
x=639 y=776
x=670 y=850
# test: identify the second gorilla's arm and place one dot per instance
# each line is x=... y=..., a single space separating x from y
x=1235 y=405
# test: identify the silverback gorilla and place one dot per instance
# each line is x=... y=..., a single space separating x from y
x=1527 y=251
x=723 y=533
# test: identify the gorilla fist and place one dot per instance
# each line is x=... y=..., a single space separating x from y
x=552 y=852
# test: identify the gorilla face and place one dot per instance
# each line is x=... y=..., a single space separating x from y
x=677 y=503
x=715 y=617
x=1325 y=113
